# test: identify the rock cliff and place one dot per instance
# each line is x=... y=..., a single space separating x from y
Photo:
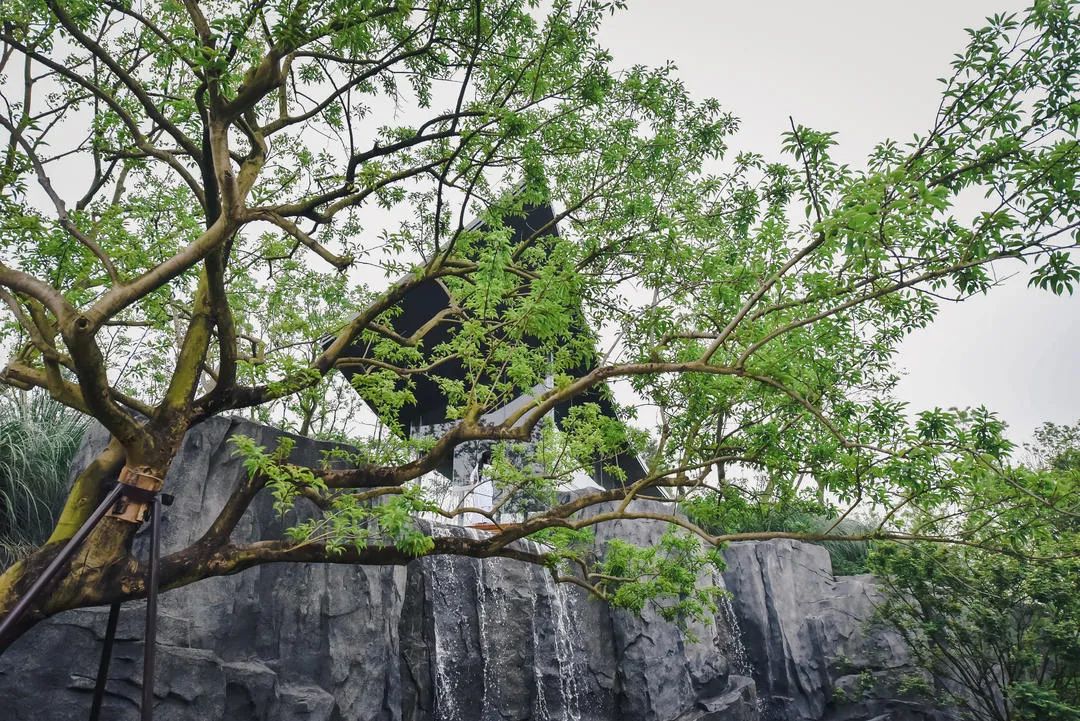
x=811 y=641
x=456 y=639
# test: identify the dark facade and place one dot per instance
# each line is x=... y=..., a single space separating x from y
x=429 y=413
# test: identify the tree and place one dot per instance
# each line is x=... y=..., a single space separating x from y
x=193 y=193
x=1000 y=632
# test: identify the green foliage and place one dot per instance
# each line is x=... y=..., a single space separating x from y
x=38 y=438
x=666 y=575
x=916 y=685
x=1056 y=447
x=998 y=618
x=345 y=520
x=865 y=682
x=568 y=546
x=1003 y=631
x=731 y=512
x=396 y=520
x=286 y=481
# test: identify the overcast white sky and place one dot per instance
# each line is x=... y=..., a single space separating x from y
x=867 y=69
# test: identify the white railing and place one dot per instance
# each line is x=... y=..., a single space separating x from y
x=451 y=498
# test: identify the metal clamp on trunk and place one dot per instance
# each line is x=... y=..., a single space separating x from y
x=139 y=491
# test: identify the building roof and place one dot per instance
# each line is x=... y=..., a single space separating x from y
x=421 y=304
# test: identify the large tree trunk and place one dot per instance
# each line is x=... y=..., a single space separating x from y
x=102 y=570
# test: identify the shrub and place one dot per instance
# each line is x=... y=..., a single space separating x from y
x=733 y=513
x=1002 y=632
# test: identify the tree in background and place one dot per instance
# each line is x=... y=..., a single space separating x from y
x=194 y=192
x=1001 y=632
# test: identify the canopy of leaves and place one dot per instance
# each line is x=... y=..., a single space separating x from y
x=207 y=208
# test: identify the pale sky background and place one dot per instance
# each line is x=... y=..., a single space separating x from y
x=867 y=69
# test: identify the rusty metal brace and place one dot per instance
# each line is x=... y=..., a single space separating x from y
x=150 y=500
x=140 y=489
x=129 y=500
x=58 y=562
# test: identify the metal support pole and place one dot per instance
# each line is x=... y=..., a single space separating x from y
x=150 y=637
x=103 y=665
x=58 y=562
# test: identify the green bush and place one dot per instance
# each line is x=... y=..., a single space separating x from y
x=38 y=438
x=734 y=513
x=1003 y=632
x=998 y=619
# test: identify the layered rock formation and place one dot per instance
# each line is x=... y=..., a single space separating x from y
x=450 y=639
x=812 y=644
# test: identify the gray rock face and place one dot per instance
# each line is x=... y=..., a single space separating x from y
x=739 y=702
x=815 y=650
x=278 y=642
x=445 y=639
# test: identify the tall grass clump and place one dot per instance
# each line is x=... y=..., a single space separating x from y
x=38 y=438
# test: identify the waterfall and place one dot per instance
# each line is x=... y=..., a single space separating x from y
x=567 y=641
x=489 y=710
x=481 y=631
x=445 y=585
x=564 y=619
x=540 y=708
x=556 y=637
x=734 y=648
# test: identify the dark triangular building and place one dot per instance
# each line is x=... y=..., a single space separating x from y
x=428 y=415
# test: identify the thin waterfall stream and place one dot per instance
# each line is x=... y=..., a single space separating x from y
x=567 y=642
x=444 y=580
x=559 y=660
x=734 y=648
